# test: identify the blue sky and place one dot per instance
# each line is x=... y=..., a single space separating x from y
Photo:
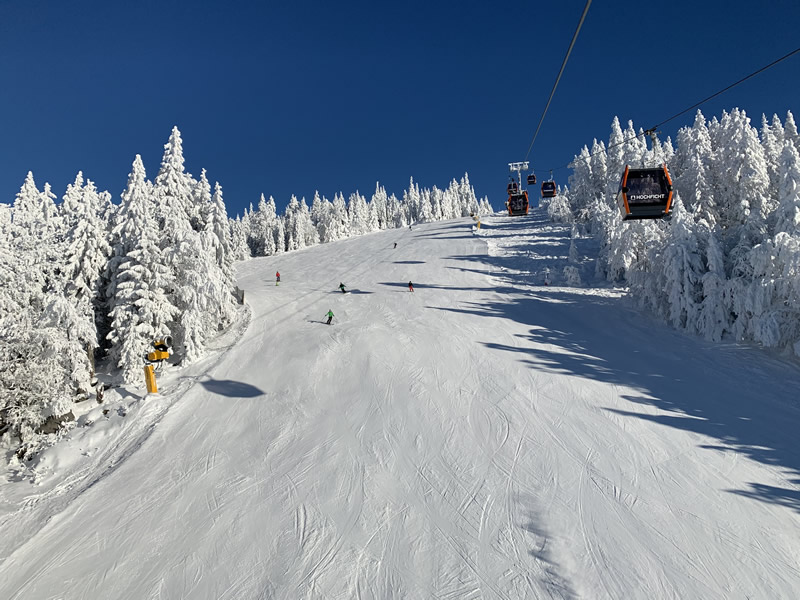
x=287 y=98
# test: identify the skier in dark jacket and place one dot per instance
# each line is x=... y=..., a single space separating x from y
x=330 y=317
x=341 y=287
x=410 y=287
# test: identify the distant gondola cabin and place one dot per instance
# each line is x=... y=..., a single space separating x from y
x=548 y=189
x=645 y=193
x=518 y=204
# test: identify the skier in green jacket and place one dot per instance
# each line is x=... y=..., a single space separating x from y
x=330 y=317
x=341 y=287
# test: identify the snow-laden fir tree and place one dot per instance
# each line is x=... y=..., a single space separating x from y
x=773 y=299
x=373 y=222
x=713 y=317
x=615 y=161
x=772 y=150
x=306 y=225
x=680 y=270
x=239 y=247
x=173 y=191
x=692 y=171
x=217 y=224
x=200 y=205
x=294 y=237
x=43 y=367
x=790 y=131
x=319 y=215
x=599 y=170
x=357 y=211
x=379 y=204
x=411 y=199
x=261 y=236
x=140 y=308
x=86 y=254
x=339 y=223
x=581 y=184
x=787 y=213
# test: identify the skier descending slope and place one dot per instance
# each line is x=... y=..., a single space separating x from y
x=277 y=277
x=341 y=287
x=330 y=317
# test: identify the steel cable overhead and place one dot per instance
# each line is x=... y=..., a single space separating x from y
x=563 y=65
x=695 y=105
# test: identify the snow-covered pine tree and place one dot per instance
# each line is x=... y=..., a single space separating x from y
x=398 y=214
x=680 y=270
x=33 y=230
x=239 y=248
x=173 y=192
x=772 y=151
x=378 y=205
x=196 y=293
x=262 y=238
x=278 y=229
x=295 y=238
x=324 y=220
x=634 y=150
x=437 y=207
x=790 y=131
x=411 y=198
x=200 y=205
x=787 y=213
x=37 y=381
x=86 y=255
x=306 y=225
x=469 y=202
x=425 y=208
x=139 y=309
x=692 y=171
x=558 y=209
x=218 y=225
x=742 y=176
x=318 y=214
x=339 y=224
x=599 y=170
x=373 y=223
x=357 y=210
x=772 y=300
x=581 y=184
x=713 y=317
x=615 y=162
x=450 y=209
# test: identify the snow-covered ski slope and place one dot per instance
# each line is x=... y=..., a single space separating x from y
x=485 y=436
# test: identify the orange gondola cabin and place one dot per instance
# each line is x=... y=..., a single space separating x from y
x=645 y=193
x=518 y=203
x=549 y=189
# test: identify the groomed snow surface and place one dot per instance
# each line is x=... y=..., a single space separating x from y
x=486 y=436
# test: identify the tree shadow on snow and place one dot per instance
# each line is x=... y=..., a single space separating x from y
x=732 y=393
x=231 y=389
